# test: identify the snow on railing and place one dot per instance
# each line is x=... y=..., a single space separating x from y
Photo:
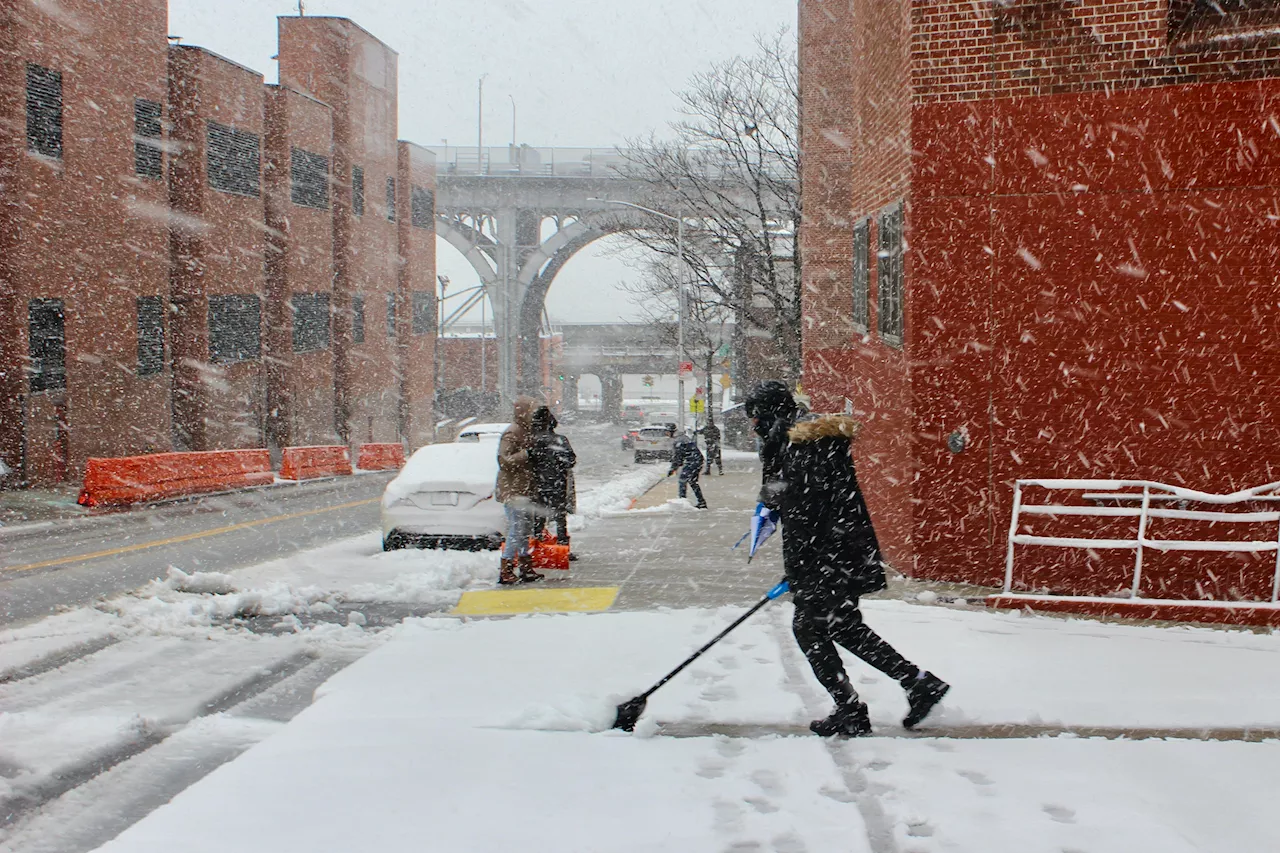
x=1122 y=490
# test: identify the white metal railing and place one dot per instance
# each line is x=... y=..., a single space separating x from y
x=1125 y=491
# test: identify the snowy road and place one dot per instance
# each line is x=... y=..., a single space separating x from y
x=108 y=710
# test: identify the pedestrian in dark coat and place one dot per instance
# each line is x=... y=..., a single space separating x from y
x=711 y=435
x=830 y=554
x=686 y=457
x=553 y=459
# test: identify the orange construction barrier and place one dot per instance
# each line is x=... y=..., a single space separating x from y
x=129 y=480
x=307 y=463
x=549 y=555
x=380 y=457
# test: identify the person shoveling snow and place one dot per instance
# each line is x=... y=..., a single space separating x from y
x=830 y=554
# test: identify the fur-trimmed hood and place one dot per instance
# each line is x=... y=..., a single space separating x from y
x=825 y=426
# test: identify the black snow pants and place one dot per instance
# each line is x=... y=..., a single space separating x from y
x=822 y=621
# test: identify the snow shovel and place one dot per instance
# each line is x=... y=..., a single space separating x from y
x=629 y=712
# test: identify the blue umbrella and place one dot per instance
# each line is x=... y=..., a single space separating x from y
x=763 y=523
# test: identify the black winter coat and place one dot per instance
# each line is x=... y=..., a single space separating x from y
x=829 y=547
x=553 y=459
x=685 y=454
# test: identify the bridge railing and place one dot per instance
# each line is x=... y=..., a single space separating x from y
x=529 y=161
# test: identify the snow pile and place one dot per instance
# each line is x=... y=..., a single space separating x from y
x=448 y=710
x=614 y=496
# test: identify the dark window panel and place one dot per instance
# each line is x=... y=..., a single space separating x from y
x=423 y=204
x=423 y=314
x=47 y=344
x=391 y=199
x=357 y=191
x=391 y=315
x=234 y=160
x=861 y=274
x=44 y=111
x=310 y=322
x=309 y=179
x=235 y=328
x=148 y=157
x=357 y=319
x=150 y=335
x=889 y=283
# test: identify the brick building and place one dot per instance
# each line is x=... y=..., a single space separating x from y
x=191 y=259
x=1040 y=240
x=81 y=318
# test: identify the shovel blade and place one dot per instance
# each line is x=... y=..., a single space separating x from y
x=629 y=714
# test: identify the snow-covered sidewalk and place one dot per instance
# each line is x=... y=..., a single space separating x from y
x=491 y=735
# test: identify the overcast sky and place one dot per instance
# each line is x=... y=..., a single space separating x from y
x=581 y=74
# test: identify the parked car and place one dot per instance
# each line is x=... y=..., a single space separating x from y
x=653 y=442
x=443 y=498
x=629 y=439
x=478 y=432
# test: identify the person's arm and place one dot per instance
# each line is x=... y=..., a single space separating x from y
x=571 y=458
x=511 y=452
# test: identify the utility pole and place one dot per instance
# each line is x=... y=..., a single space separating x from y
x=480 y=125
x=513 y=120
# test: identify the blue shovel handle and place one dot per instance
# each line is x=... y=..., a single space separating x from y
x=780 y=590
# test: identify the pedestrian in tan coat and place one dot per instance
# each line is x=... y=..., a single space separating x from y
x=517 y=492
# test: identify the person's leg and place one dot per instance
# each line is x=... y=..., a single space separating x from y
x=525 y=560
x=510 y=546
x=811 y=629
x=562 y=527
x=697 y=490
x=849 y=630
x=681 y=484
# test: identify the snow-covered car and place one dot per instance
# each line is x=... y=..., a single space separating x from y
x=485 y=432
x=443 y=498
x=653 y=442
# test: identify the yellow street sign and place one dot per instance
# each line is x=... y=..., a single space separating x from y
x=725 y=380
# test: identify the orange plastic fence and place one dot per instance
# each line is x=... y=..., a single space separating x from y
x=158 y=476
x=306 y=463
x=380 y=457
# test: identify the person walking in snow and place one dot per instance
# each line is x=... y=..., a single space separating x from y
x=830 y=554
x=553 y=459
x=686 y=456
x=517 y=493
x=711 y=435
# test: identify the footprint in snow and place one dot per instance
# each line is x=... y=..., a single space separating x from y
x=1061 y=814
x=768 y=781
x=975 y=777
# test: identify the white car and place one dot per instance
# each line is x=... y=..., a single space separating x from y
x=479 y=432
x=653 y=442
x=443 y=498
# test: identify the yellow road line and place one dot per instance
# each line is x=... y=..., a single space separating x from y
x=188 y=537
x=503 y=602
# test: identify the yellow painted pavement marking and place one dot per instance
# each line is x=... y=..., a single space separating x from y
x=188 y=537
x=503 y=601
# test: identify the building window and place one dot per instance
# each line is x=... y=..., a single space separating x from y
x=357 y=319
x=148 y=159
x=150 y=335
x=423 y=205
x=889 y=274
x=44 y=111
x=234 y=161
x=310 y=322
x=862 y=275
x=423 y=314
x=309 y=179
x=47 y=344
x=357 y=191
x=235 y=328
x=391 y=199
x=391 y=315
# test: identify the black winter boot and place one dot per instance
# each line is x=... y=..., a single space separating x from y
x=527 y=574
x=923 y=692
x=849 y=720
x=507 y=574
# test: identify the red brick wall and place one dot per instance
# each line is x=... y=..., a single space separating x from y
x=299 y=261
x=218 y=242
x=855 y=129
x=417 y=353
x=461 y=363
x=62 y=224
x=338 y=62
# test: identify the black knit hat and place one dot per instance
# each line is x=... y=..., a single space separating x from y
x=769 y=398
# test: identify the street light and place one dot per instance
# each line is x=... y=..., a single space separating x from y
x=680 y=357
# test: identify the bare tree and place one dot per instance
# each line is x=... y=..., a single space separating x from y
x=731 y=168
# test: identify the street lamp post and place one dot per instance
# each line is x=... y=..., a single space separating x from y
x=680 y=296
